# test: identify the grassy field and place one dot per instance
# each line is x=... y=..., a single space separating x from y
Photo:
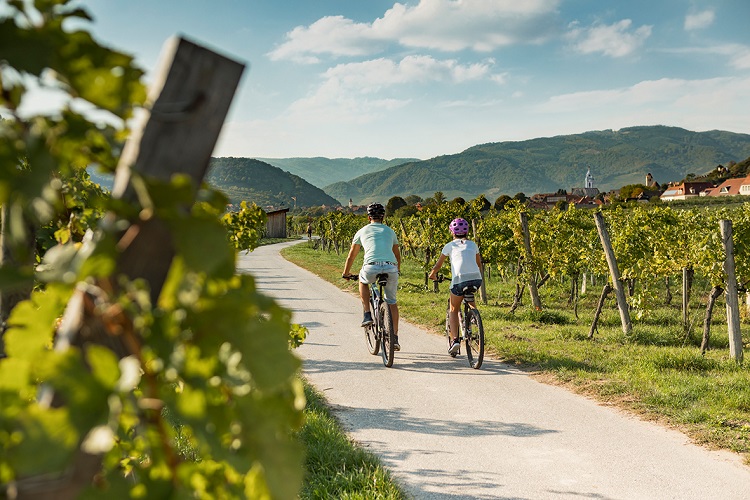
x=658 y=372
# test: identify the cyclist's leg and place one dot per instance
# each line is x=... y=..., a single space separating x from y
x=389 y=291
x=394 y=315
x=455 y=306
x=365 y=277
x=364 y=295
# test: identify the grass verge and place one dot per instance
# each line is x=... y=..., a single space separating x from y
x=658 y=372
x=334 y=466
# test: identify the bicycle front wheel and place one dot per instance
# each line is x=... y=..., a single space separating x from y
x=474 y=338
x=386 y=334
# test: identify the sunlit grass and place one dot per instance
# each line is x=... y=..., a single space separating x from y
x=334 y=466
x=657 y=371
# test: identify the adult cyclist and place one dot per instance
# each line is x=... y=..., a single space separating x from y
x=382 y=255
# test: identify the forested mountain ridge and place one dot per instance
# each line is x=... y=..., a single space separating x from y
x=252 y=181
x=616 y=158
x=263 y=184
x=320 y=171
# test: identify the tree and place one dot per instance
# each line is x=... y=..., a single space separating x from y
x=394 y=204
x=501 y=201
x=439 y=198
x=458 y=201
x=520 y=197
x=481 y=203
x=632 y=191
x=413 y=199
x=406 y=211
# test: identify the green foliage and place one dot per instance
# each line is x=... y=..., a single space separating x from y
x=394 y=204
x=651 y=242
x=501 y=201
x=246 y=226
x=211 y=350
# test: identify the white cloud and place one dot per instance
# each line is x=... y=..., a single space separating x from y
x=693 y=104
x=614 y=40
x=378 y=73
x=699 y=20
x=737 y=54
x=333 y=35
x=446 y=25
x=360 y=91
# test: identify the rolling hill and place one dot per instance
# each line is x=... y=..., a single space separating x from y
x=263 y=184
x=321 y=171
x=252 y=181
x=616 y=158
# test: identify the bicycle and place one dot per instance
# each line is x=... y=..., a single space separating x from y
x=379 y=335
x=470 y=328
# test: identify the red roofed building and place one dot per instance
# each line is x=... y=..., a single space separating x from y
x=685 y=190
x=732 y=187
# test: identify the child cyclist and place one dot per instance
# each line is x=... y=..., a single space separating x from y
x=465 y=269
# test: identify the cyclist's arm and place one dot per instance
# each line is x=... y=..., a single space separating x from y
x=438 y=265
x=353 y=251
x=479 y=260
x=397 y=254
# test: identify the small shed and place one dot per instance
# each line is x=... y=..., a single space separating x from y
x=276 y=223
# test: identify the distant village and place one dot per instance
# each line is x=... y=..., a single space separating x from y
x=589 y=196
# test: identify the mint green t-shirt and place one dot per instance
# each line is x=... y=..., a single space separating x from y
x=377 y=240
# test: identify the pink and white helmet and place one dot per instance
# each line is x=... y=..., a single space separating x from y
x=459 y=227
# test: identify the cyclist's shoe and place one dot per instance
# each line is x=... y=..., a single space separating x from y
x=454 y=348
x=367 y=321
x=396 y=345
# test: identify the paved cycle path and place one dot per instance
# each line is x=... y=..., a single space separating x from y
x=448 y=432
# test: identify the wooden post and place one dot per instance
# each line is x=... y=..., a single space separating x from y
x=688 y=274
x=483 y=288
x=530 y=268
x=191 y=94
x=622 y=303
x=732 y=300
x=190 y=97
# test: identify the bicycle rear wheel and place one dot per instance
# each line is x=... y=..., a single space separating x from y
x=386 y=334
x=373 y=342
x=474 y=337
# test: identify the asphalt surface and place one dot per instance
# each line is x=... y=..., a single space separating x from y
x=449 y=432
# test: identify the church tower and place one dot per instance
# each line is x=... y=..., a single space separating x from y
x=589 y=183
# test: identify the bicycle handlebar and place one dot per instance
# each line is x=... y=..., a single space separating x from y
x=350 y=277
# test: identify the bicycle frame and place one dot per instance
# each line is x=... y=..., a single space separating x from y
x=468 y=315
x=379 y=335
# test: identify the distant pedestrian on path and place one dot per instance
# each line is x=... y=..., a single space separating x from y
x=309 y=231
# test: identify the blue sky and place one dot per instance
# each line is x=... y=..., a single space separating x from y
x=423 y=78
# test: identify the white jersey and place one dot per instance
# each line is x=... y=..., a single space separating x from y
x=463 y=256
